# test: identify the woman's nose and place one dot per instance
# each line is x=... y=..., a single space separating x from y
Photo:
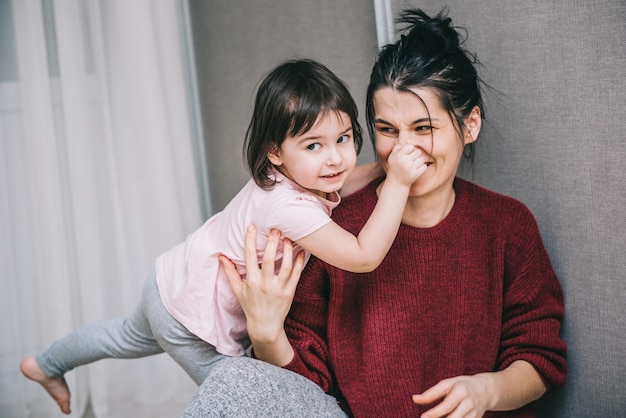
x=410 y=137
x=405 y=137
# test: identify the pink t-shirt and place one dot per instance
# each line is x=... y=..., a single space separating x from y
x=191 y=281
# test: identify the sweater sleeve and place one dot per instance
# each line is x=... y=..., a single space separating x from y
x=533 y=304
x=306 y=327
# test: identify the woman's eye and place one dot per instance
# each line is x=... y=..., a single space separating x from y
x=343 y=138
x=424 y=128
x=313 y=147
x=385 y=130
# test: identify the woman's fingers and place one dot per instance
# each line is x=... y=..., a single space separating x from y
x=269 y=256
x=437 y=392
x=298 y=266
x=232 y=274
x=250 y=251
x=290 y=268
x=251 y=260
x=460 y=397
x=265 y=276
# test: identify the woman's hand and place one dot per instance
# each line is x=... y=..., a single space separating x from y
x=266 y=296
x=461 y=397
x=471 y=396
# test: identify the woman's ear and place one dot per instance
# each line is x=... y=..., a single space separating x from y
x=274 y=156
x=472 y=125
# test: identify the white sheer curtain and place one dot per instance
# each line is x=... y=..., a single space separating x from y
x=97 y=178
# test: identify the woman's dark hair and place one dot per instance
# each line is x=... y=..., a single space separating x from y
x=429 y=54
x=289 y=101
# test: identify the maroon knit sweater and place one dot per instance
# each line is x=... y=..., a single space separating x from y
x=470 y=295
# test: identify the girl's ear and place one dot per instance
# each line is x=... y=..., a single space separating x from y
x=274 y=156
x=472 y=125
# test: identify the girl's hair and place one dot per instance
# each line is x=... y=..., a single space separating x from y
x=429 y=54
x=289 y=101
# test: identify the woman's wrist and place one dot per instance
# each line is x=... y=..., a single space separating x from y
x=516 y=386
x=277 y=351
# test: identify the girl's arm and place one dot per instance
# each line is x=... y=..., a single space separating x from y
x=360 y=177
x=365 y=252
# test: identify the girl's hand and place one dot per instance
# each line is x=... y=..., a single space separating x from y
x=405 y=164
x=266 y=296
x=461 y=397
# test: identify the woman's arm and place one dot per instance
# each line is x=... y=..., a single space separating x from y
x=471 y=396
x=265 y=296
x=298 y=342
x=532 y=355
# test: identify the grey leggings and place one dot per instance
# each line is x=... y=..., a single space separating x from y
x=149 y=330
x=244 y=387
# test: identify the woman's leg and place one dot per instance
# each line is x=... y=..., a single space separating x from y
x=245 y=387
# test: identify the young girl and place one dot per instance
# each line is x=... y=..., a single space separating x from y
x=302 y=144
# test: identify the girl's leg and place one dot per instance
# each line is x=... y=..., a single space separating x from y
x=194 y=355
x=127 y=337
x=245 y=387
x=55 y=386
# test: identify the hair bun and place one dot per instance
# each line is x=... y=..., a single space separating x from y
x=421 y=30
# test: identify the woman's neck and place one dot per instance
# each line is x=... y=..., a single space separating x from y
x=427 y=211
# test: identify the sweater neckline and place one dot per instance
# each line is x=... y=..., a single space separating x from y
x=450 y=224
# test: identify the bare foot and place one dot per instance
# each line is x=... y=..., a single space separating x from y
x=56 y=386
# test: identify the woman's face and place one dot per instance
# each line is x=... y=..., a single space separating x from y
x=401 y=117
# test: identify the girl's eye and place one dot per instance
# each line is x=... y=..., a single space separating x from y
x=424 y=128
x=343 y=138
x=313 y=147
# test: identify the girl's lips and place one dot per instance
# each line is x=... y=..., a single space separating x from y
x=329 y=176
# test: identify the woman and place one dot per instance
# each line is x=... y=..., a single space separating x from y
x=463 y=315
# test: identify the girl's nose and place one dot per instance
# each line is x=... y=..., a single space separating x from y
x=334 y=157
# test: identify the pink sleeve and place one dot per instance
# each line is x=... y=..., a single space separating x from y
x=298 y=216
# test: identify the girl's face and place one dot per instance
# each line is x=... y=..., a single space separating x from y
x=401 y=117
x=321 y=159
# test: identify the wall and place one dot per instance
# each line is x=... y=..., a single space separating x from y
x=553 y=137
x=556 y=117
x=237 y=42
